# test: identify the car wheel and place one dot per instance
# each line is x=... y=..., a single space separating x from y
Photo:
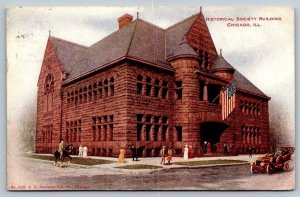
x=252 y=169
x=286 y=166
x=269 y=169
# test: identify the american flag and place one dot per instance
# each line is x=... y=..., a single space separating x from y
x=228 y=99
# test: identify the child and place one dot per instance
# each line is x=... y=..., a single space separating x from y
x=170 y=155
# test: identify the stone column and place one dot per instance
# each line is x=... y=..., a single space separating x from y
x=152 y=131
x=104 y=133
x=108 y=133
x=144 y=86
x=143 y=133
x=160 y=92
x=159 y=134
x=247 y=138
x=153 y=152
x=175 y=136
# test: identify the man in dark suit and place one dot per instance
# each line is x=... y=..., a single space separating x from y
x=133 y=152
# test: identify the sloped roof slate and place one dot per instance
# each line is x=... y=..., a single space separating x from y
x=241 y=81
x=140 y=40
x=68 y=52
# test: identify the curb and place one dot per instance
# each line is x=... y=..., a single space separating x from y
x=208 y=166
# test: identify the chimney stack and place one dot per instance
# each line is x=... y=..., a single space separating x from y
x=124 y=20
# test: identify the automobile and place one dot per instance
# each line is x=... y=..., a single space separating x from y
x=273 y=162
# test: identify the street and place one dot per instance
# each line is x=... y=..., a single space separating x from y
x=42 y=175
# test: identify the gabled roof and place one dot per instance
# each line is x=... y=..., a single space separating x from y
x=221 y=63
x=241 y=81
x=244 y=84
x=140 y=41
x=68 y=52
x=176 y=38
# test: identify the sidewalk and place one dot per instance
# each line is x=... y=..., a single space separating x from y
x=112 y=168
x=155 y=161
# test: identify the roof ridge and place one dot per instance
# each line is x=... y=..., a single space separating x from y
x=69 y=42
x=151 y=24
x=188 y=18
x=114 y=32
x=129 y=46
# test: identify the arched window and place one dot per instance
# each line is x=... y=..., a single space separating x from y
x=112 y=86
x=49 y=90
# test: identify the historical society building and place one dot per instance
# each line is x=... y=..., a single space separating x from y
x=148 y=86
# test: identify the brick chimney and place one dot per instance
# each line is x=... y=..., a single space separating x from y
x=124 y=20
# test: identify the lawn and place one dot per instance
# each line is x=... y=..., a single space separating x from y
x=209 y=162
x=75 y=160
x=139 y=167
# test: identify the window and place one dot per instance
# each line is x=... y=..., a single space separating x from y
x=213 y=91
x=47 y=133
x=201 y=90
x=139 y=132
x=106 y=88
x=165 y=90
x=94 y=133
x=156 y=88
x=206 y=61
x=151 y=128
x=179 y=133
x=178 y=90
x=148 y=128
x=201 y=55
x=112 y=86
x=73 y=131
x=49 y=90
x=100 y=89
x=102 y=128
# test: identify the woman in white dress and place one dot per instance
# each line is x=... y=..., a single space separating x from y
x=80 y=150
x=186 y=152
x=84 y=151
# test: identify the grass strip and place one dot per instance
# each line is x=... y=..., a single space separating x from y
x=75 y=160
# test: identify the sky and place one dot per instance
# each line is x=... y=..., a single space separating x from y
x=265 y=54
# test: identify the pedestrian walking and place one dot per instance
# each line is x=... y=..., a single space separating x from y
x=121 y=158
x=186 y=152
x=250 y=151
x=190 y=152
x=204 y=147
x=163 y=154
x=80 y=151
x=133 y=152
x=225 y=149
x=85 y=150
x=215 y=149
x=171 y=151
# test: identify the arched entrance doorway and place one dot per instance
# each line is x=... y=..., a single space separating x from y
x=211 y=132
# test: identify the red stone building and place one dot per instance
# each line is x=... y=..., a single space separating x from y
x=149 y=86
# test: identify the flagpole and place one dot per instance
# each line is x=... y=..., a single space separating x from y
x=222 y=90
